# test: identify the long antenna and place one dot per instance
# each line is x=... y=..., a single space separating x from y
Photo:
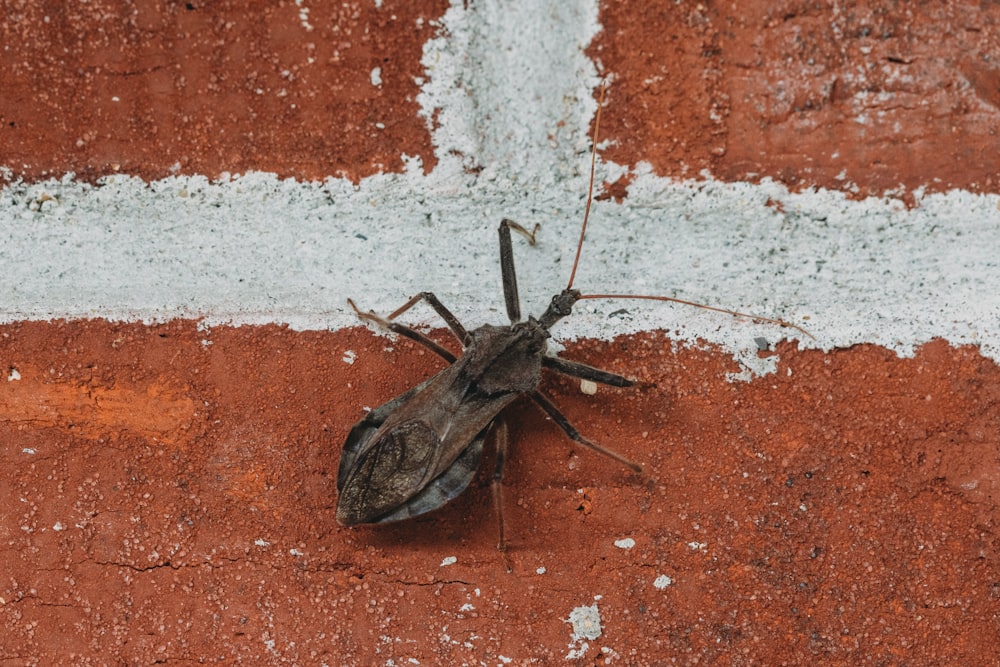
x=583 y=232
x=734 y=313
x=590 y=188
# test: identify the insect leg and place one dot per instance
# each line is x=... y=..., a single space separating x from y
x=552 y=411
x=507 y=272
x=585 y=372
x=404 y=330
x=456 y=327
x=501 y=441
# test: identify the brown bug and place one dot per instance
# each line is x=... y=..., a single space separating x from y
x=416 y=452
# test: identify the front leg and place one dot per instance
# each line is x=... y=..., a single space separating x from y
x=507 y=272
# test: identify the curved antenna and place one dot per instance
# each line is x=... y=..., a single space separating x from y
x=590 y=188
x=583 y=232
x=734 y=313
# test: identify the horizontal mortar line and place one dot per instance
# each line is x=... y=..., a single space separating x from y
x=258 y=250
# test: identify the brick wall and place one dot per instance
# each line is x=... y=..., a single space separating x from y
x=181 y=369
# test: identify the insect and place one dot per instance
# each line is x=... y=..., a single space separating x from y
x=421 y=449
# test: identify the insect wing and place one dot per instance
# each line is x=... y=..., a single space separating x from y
x=444 y=487
x=416 y=452
x=362 y=432
x=386 y=474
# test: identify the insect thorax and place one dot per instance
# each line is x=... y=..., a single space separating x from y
x=507 y=359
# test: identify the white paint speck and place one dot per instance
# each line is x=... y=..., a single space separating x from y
x=377 y=77
x=28 y=450
x=575 y=653
x=450 y=560
x=504 y=659
x=58 y=526
x=303 y=16
x=540 y=570
x=13 y=375
x=466 y=607
x=349 y=356
x=295 y=552
x=261 y=542
x=588 y=387
x=626 y=543
x=662 y=582
x=696 y=546
x=586 y=623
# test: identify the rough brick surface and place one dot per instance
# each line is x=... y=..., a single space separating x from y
x=167 y=491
